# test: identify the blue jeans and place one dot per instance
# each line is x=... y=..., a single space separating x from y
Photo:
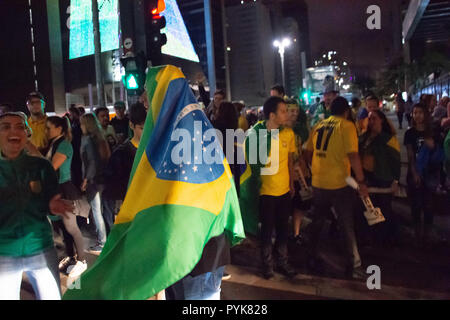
x=203 y=287
x=109 y=211
x=41 y=270
x=100 y=228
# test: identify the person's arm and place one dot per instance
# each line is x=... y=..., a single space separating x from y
x=58 y=159
x=355 y=163
x=350 y=140
x=412 y=164
x=89 y=162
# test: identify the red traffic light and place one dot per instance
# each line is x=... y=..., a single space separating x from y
x=158 y=7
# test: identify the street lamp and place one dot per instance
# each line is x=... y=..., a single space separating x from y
x=281 y=45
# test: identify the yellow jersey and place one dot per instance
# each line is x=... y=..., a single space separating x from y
x=243 y=123
x=38 y=137
x=331 y=141
x=278 y=184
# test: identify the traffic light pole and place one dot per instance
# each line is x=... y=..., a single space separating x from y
x=210 y=48
x=98 y=50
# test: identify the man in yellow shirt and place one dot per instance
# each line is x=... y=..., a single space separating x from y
x=36 y=106
x=333 y=150
x=276 y=184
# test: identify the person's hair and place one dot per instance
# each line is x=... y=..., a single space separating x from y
x=251 y=119
x=373 y=97
x=227 y=115
x=409 y=99
x=239 y=106
x=356 y=102
x=220 y=92
x=119 y=104
x=35 y=94
x=137 y=113
x=385 y=125
x=75 y=110
x=369 y=93
x=278 y=88
x=100 y=109
x=399 y=97
x=339 y=106
x=7 y=107
x=443 y=102
x=93 y=128
x=82 y=110
x=426 y=99
x=317 y=99
x=271 y=106
x=426 y=117
x=62 y=123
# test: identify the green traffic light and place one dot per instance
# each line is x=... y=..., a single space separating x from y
x=132 y=83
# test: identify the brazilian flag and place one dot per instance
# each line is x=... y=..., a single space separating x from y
x=250 y=180
x=171 y=210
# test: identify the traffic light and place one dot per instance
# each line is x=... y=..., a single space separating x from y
x=154 y=23
x=306 y=95
x=134 y=78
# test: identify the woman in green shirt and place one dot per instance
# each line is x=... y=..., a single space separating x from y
x=60 y=155
x=28 y=188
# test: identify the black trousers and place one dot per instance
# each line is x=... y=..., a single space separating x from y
x=342 y=200
x=400 y=118
x=274 y=213
x=421 y=199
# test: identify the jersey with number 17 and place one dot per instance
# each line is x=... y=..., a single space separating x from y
x=331 y=141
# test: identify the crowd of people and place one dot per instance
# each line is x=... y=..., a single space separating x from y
x=359 y=141
x=48 y=163
x=88 y=155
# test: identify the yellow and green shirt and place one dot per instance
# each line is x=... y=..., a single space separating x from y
x=331 y=141
x=278 y=183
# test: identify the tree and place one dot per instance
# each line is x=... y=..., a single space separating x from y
x=416 y=73
x=363 y=84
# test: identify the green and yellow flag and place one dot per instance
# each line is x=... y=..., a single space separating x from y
x=250 y=180
x=171 y=209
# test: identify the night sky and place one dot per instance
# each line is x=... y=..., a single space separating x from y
x=340 y=25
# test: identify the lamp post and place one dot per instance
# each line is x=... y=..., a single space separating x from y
x=281 y=45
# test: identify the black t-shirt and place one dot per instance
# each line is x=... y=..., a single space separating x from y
x=121 y=128
x=118 y=170
x=415 y=138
